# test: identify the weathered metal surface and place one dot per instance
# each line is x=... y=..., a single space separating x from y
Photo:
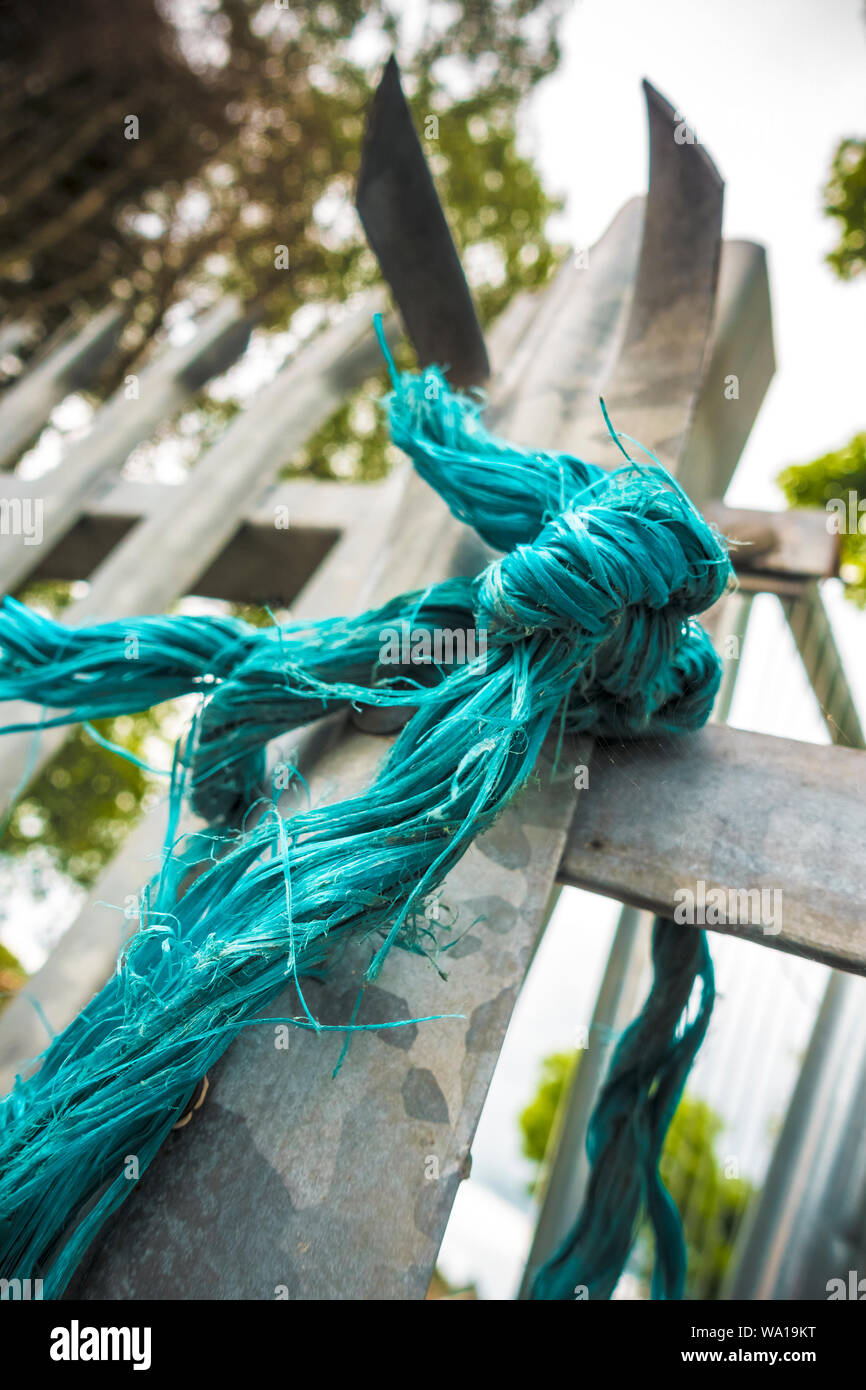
x=552 y=378
x=736 y=811
x=807 y=1227
x=195 y=523
x=342 y=1188
x=119 y=426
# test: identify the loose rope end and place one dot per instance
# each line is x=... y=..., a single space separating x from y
x=386 y=351
x=611 y=431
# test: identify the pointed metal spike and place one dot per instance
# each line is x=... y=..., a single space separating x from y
x=406 y=228
x=656 y=379
x=683 y=228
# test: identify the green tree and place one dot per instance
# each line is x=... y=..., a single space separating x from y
x=837 y=475
x=248 y=116
x=12 y=976
x=845 y=200
x=538 y=1119
x=711 y=1204
x=837 y=478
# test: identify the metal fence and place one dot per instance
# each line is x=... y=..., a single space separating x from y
x=661 y=314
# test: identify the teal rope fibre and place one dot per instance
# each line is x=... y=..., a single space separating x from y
x=590 y=616
x=627 y=1131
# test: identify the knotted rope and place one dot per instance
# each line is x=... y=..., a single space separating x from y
x=590 y=623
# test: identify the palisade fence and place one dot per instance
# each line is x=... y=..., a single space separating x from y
x=326 y=1187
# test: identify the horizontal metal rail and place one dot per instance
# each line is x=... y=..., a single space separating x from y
x=732 y=811
x=777 y=552
x=122 y=423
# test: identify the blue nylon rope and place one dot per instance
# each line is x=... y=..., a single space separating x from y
x=626 y=1133
x=590 y=625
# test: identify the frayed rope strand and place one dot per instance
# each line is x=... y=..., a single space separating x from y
x=589 y=624
x=627 y=1131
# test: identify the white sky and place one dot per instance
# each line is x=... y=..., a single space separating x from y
x=770 y=88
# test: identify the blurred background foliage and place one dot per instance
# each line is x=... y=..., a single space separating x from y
x=832 y=477
x=83 y=804
x=836 y=474
x=711 y=1204
x=85 y=801
x=249 y=122
x=250 y=116
x=845 y=200
x=12 y=977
